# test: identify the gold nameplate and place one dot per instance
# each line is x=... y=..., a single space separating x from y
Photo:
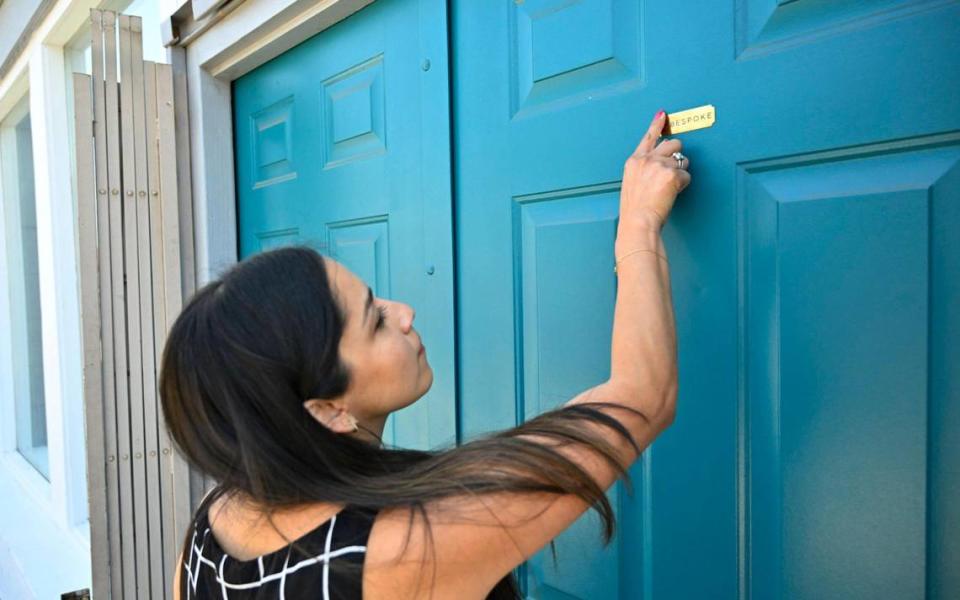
x=690 y=119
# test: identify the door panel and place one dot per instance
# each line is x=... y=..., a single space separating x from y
x=840 y=287
x=343 y=143
x=565 y=341
x=814 y=259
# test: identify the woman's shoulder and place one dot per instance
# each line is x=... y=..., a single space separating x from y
x=245 y=534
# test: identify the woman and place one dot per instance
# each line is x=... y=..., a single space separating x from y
x=277 y=380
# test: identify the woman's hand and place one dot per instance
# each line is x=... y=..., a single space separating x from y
x=651 y=182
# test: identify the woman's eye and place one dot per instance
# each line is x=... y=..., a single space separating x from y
x=380 y=318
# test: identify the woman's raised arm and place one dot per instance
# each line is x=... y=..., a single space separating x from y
x=479 y=538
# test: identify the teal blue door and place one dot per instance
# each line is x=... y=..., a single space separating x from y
x=815 y=272
x=815 y=261
x=816 y=278
x=342 y=143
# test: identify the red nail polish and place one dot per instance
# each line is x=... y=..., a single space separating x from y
x=658 y=115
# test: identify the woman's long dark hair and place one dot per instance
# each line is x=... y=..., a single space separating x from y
x=250 y=347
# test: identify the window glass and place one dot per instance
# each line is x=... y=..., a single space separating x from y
x=20 y=223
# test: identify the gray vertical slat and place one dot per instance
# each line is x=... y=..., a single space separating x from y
x=175 y=483
x=178 y=64
x=153 y=534
x=155 y=462
x=173 y=298
x=197 y=484
x=118 y=273
x=93 y=372
x=157 y=260
x=137 y=489
x=112 y=559
x=150 y=535
x=177 y=476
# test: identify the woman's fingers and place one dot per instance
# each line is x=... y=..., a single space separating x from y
x=669 y=161
x=680 y=176
x=649 y=139
x=668 y=147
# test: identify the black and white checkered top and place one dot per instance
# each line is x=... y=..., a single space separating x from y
x=306 y=569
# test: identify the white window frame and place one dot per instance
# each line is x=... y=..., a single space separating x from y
x=63 y=498
x=26 y=473
x=53 y=510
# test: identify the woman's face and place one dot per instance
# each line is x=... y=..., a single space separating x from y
x=381 y=348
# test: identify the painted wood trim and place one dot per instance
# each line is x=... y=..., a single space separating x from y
x=158 y=271
x=59 y=297
x=157 y=464
x=278 y=32
x=211 y=156
x=91 y=327
x=148 y=511
x=157 y=260
x=202 y=8
x=108 y=317
x=187 y=482
x=122 y=273
x=184 y=180
x=129 y=417
x=175 y=481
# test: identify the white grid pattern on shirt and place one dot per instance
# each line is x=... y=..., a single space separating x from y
x=192 y=566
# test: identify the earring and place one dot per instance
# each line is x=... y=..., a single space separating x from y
x=353 y=422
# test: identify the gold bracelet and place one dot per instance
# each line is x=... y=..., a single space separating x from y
x=634 y=252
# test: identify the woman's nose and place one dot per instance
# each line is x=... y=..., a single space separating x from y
x=406 y=315
x=410 y=314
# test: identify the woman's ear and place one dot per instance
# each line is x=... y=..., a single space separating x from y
x=331 y=414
